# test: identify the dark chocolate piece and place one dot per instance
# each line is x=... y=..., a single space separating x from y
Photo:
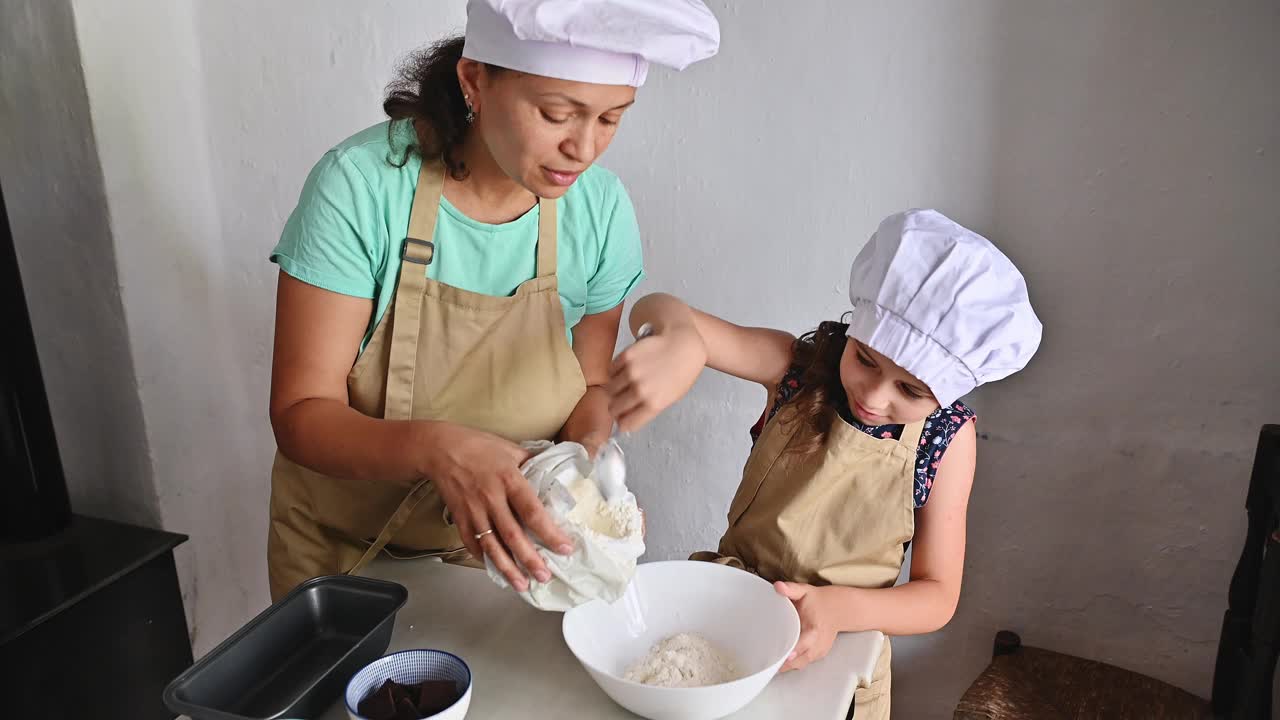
x=379 y=704
x=436 y=696
x=403 y=692
x=394 y=701
x=406 y=711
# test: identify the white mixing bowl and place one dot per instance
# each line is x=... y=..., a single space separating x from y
x=737 y=611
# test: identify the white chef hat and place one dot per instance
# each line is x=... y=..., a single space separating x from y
x=943 y=303
x=610 y=42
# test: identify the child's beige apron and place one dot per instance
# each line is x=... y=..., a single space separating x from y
x=499 y=364
x=841 y=515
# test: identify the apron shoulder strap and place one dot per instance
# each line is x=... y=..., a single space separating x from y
x=417 y=253
x=546 y=238
x=910 y=437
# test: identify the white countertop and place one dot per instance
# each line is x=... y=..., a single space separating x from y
x=523 y=669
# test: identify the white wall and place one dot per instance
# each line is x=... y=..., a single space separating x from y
x=57 y=212
x=1123 y=156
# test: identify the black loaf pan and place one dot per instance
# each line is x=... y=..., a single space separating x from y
x=294 y=659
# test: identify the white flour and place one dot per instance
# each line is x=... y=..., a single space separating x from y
x=684 y=660
x=613 y=520
x=607 y=537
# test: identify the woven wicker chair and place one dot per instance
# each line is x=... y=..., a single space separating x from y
x=1026 y=682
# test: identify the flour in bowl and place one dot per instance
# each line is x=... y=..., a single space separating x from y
x=684 y=660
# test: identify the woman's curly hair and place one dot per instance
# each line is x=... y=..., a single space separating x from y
x=426 y=92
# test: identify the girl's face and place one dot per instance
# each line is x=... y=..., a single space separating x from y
x=880 y=392
x=543 y=132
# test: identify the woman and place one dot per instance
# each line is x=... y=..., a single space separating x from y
x=451 y=284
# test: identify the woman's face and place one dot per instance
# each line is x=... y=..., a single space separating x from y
x=543 y=132
x=880 y=392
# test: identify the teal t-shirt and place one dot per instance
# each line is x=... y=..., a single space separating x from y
x=346 y=233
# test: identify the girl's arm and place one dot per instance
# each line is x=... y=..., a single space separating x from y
x=922 y=605
x=652 y=375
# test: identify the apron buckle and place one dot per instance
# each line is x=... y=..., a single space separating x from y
x=409 y=252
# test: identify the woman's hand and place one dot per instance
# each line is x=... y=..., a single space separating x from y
x=655 y=372
x=817 y=623
x=479 y=479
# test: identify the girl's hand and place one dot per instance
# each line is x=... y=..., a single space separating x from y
x=817 y=623
x=655 y=372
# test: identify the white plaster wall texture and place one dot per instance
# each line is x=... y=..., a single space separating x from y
x=57 y=211
x=1122 y=155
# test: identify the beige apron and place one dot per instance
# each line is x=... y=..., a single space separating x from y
x=498 y=364
x=841 y=515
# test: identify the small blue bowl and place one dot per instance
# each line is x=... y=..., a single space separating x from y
x=408 y=667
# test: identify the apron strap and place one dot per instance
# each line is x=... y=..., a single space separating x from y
x=910 y=437
x=418 y=252
x=546 y=238
x=398 y=519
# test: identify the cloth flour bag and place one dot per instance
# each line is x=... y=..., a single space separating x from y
x=608 y=537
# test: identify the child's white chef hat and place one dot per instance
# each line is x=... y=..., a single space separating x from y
x=609 y=42
x=943 y=303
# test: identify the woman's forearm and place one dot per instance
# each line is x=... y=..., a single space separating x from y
x=590 y=423
x=333 y=438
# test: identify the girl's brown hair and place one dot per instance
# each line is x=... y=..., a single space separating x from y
x=817 y=353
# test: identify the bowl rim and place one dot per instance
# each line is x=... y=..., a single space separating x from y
x=409 y=651
x=676 y=690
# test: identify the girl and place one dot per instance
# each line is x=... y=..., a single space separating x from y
x=864 y=446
